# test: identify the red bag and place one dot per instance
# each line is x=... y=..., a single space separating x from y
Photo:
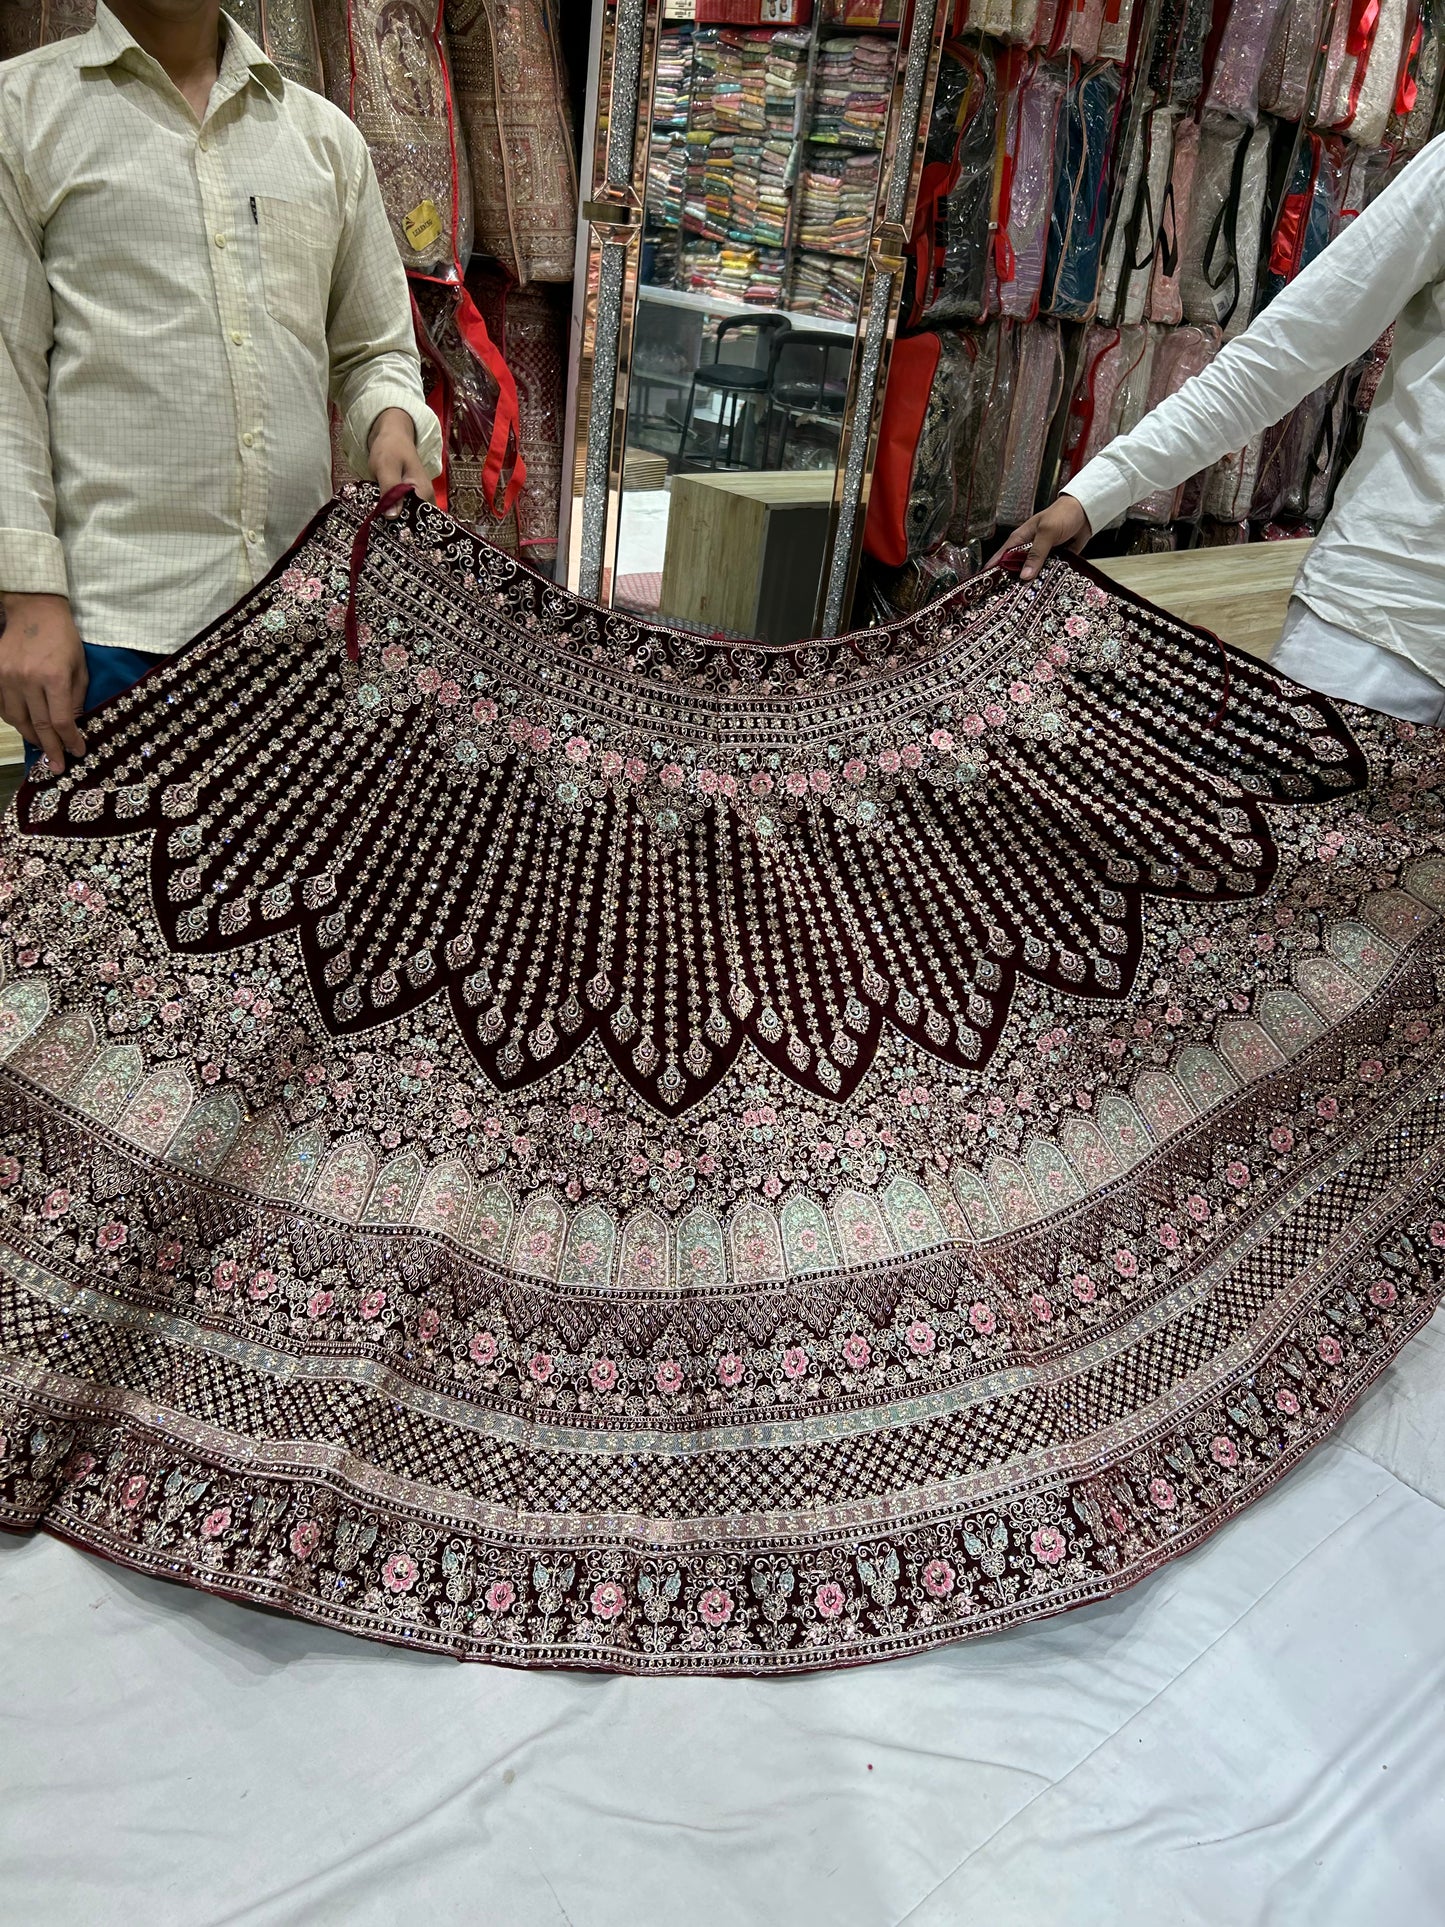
x=905 y=473
x=471 y=391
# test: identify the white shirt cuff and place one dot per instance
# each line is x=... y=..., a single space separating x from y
x=31 y=563
x=372 y=402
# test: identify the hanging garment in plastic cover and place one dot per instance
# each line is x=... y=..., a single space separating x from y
x=1166 y=302
x=1149 y=216
x=1362 y=68
x=1176 y=57
x=1295 y=453
x=287 y=31
x=1110 y=389
x=1180 y=354
x=516 y=110
x=1029 y=131
x=952 y=230
x=1079 y=28
x=1125 y=212
x=529 y=327
x=912 y=501
x=1248 y=34
x=1037 y=389
x=1308 y=213
x=1284 y=85
x=1034 y=22
x=1081 y=192
x=1418 y=94
x=1117 y=27
x=1226 y=214
x=978 y=450
x=1230 y=488
x=386 y=65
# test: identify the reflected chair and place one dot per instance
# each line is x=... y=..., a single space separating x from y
x=809 y=386
x=740 y=375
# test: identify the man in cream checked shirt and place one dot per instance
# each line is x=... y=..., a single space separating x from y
x=1367 y=618
x=194 y=261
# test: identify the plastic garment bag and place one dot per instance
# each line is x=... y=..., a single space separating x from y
x=1226 y=213
x=1027 y=136
x=1081 y=192
x=1180 y=354
x=1166 y=302
x=1248 y=34
x=1038 y=381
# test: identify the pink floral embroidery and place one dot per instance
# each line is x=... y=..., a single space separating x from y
x=9 y=1172
x=829 y=1599
x=1286 y=1402
x=1383 y=1294
x=608 y=1599
x=981 y=1317
x=305 y=1538
x=937 y=1579
x=399 y=1574
x=501 y=1596
x=1125 y=1263
x=1237 y=1173
x=669 y=1376
x=795 y=1362
x=226 y=1274
x=1162 y=1493
x=1224 y=1451
x=1330 y=1350
x=217 y=1522
x=1048 y=1545
x=1082 y=1286
x=319 y=1303
x=539 y=1365
x=133 y=1490
x=372 y=1303
x=482 y=1349
x=428 y=1324
x=856 y=1352
x=602 y=1375
x=920 y=1338
x=112 y=1236
x=715 y=1607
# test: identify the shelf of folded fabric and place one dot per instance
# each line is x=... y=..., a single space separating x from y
x=826 y=286
x=702 y=302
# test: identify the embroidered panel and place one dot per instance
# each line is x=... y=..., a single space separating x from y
x=570 y=1143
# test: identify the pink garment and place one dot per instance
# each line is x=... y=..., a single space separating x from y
x=1038 y=379
x=1114 y=33
x=1016 y=272
x=1248 y=32
x=1180 y=354
x=1166 y=302
x=1080 y=27
x=1109 y=393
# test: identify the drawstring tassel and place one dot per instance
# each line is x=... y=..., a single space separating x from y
x=383 y=506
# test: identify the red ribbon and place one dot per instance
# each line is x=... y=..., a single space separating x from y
x=1289 y=235
x=382 y=506
x=1409 y=89
x=506 y=429
x=1364 y=18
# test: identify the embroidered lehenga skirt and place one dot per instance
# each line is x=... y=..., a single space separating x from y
x=568 y=1143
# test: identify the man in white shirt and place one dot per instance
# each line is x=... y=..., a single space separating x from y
x=195 y=262
x=1367 y=618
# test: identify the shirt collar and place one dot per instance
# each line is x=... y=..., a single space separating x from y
x=108 y=43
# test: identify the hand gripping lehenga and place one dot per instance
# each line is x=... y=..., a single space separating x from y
x=565 y=1142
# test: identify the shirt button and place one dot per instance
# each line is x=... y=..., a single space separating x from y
x=220 y=240
x=252 y=537
x=237 y=336
x=204 y=144
x=248 y=440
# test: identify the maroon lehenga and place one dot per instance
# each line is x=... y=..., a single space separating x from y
x=569 y=1143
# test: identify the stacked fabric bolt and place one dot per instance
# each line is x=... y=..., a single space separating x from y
x=754 y=275
x=854 y=81
x=837 y=196
x=827 y=285
x=785 y=72
x=674 y=79
x=666 y=179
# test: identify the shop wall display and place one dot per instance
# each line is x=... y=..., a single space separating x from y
x=1156 y=179
x=35 y=23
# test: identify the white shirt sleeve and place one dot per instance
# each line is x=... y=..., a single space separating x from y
x=31 y=559
x=1324 y=319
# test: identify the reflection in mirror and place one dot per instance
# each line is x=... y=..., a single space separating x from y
x=762 y=192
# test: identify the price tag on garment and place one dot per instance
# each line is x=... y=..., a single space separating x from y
x=423 y=226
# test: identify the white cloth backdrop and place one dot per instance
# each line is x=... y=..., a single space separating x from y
x=1253 y=1735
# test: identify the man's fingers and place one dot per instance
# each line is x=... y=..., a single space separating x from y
x=56 y=709
x=1038 y=555
x=413 y=470
x=1020 y=539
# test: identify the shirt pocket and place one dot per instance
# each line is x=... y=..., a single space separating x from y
x=298 y=249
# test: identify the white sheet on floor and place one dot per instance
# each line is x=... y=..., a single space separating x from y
x=1253 y=1735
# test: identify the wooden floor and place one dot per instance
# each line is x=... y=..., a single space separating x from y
x=1239 y=594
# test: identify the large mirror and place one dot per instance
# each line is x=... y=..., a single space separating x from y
x=741 y=256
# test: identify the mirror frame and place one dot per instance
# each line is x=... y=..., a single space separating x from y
x=616 y=142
